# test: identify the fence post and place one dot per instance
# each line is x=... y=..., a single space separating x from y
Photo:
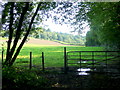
x=65 y=61
x=93 y=60
x=30 y=60
x=2 y=55
x=106 y=62
x=43 y=68
x=80 y=61
x=2 y=52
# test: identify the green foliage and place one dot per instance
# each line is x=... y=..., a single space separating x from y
x=104 y=20
x=16 y=78
x=92 y=39
x=18 y=6
x=18 y=20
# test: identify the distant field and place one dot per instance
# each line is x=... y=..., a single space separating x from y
x=54 y=53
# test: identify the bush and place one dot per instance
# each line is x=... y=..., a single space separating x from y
x=14 y=78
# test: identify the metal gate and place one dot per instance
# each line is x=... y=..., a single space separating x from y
x=91 y=59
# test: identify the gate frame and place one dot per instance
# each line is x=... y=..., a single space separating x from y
x=66 y=59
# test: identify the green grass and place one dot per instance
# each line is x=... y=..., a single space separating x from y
x=54 y=55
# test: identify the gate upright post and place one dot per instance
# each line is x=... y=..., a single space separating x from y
x=106 y=62
x=65 y=60
x=93 y=62
x=43 y=67
x=30 y=60
x=80 y=61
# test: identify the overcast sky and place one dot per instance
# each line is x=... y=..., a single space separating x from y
x=65 y=28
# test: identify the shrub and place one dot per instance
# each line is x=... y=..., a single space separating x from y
x=14 y=78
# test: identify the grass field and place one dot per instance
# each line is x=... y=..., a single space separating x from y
x=54 y=55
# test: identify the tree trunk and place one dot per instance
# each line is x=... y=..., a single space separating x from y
x=10 y=33
x=11 y=51
x=25 y=37
x=18 y=31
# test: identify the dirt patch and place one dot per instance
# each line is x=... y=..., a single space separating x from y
x=40 y=42
x=44 y=42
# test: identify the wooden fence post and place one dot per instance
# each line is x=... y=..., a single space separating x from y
x=43 y=67
x=80 y=60
x=2 y=55
x=106 y=63
x=65 y=60
x=30 y=60
x=93 y=62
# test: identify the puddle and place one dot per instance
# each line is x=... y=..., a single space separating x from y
x=82 y=71
x=82 y=61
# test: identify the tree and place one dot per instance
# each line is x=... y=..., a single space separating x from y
x=104 y=18
x=92 y=39
x=19 y=18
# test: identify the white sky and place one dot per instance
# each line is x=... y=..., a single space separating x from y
x=65 y=28
x=57 y=27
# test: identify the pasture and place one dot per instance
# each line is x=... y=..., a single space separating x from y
x=54 y=55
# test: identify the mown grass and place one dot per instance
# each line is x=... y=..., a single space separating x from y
x=54 y=55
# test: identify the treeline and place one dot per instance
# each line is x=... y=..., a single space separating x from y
x=104 y=20
x=92 y=39
x=63 y=38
